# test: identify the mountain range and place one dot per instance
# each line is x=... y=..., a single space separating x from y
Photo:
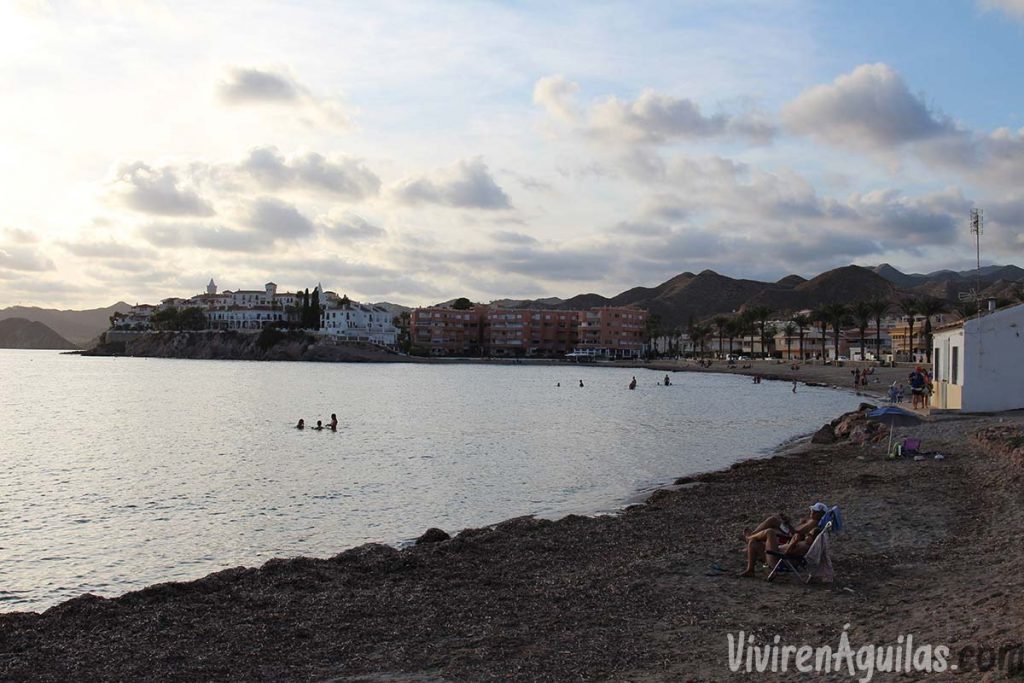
x=78 y=327
x=18 y=333
x=699 y=296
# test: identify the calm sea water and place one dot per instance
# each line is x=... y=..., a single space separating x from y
x=120 y=473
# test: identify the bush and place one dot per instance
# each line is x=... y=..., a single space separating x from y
x=269 y=336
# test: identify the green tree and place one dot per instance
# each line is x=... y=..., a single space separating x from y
x=166 y=319
x=821 y=320
x=760 y=315
x=909 y=308
x=462 y=304
x=304 y=316
x=698 y=336
x=790 y=330
x=191 y=318
x=861 y=312
x=835 y=315
x=733 y=329
x=930 y=306
x=314 y=311
x=878 y=307
x=720 y=322
x=802 y=322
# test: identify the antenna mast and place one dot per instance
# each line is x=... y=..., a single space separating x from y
x=977 y=228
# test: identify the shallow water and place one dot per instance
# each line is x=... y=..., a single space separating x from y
x=123 y=472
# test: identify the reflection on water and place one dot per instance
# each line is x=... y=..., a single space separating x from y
x=119 y=473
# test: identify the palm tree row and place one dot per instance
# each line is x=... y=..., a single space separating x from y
x=753 y=323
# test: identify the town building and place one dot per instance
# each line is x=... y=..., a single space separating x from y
x=442 y=331
x=976 y=363
x=612 y=332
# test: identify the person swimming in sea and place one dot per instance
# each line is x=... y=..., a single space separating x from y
x=319 y=425
x=581 y=383
x=632 y=384
x=668 y=382
x=301 y=425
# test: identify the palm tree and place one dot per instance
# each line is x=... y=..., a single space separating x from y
x=760 y=315
x=698 y=334
x=790 y=329
x=818 y=316
x=929 y=306
x=720 y=321
x=835 y=314
x=733 y=329
x=861 y=312
x=879 y=307
x=801 y=321
x=909 y=308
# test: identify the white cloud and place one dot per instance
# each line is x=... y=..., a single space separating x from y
x=244 y=87
x=348 y=227
x=157 y=191
x=278 y=219
x=1011 y=8
x=652 y=117
x=870 y=107
x=24 y=259
x=467 y=185
x=344 y=177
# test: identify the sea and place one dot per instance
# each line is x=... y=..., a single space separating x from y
x=119 y=473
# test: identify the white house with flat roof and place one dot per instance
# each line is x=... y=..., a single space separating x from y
x=976 y=363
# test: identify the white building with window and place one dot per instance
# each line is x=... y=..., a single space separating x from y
x=353 y=321
x=976 y=363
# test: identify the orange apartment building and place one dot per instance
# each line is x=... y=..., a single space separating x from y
x=606 y=332
x=448 y=331
x=613 y=332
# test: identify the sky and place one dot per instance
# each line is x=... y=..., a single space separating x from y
x=414 y=152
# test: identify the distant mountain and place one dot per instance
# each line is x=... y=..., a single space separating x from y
x=77 y=326
x=947 y=284
x=393 y=309
x=19 y=333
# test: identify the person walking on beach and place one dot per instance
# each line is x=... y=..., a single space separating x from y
x=794 y=386
x=917 y=385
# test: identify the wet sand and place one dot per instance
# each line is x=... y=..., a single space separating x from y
x=648 y=595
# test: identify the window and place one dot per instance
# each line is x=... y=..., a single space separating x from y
x=954 y=362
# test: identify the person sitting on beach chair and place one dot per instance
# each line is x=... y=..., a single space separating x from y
x=776 y=532
x=814 y=558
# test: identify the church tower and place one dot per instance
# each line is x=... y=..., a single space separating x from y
x=212 y=287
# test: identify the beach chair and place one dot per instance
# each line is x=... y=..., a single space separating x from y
x=911 y=447
x=817 y=563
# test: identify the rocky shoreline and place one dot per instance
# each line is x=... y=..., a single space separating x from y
x=646 y=595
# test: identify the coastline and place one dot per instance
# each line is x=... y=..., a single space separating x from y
x=627 y=596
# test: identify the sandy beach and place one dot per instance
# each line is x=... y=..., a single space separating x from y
x=646 y=595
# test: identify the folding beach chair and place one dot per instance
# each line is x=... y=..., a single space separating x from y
x=911 y=446
x=817 y=562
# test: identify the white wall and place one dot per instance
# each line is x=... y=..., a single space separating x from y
x=993 y=371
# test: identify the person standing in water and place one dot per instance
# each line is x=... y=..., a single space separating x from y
x=632 y=384
x=333 y=424
x=581 y=383
x=668 y=382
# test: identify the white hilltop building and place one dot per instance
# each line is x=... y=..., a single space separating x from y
x=251 y=310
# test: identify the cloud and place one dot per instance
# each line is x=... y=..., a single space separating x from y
x=278 y=219
x=556 y=94
x=252 y=86
x=1011 y=8
x=467 y=185
x=214 y=237
x=651 y=118
x=870 y=107
x=105 y=250
x=157 y=191
x=509 y=237
x=243 y=87
x=24 y=259
x=344 y=177
x=349 y=227
x=19 y=236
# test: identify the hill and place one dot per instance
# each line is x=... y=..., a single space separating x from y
x=79 y=327
x=19 y=333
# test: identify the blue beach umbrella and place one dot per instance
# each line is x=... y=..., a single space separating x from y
x=894 y=416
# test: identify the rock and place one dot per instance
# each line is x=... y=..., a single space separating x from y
x=824 y=435
x=433 y=535
x=866 y=407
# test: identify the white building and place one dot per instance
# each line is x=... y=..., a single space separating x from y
x=976 y=363
x=353 y=321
